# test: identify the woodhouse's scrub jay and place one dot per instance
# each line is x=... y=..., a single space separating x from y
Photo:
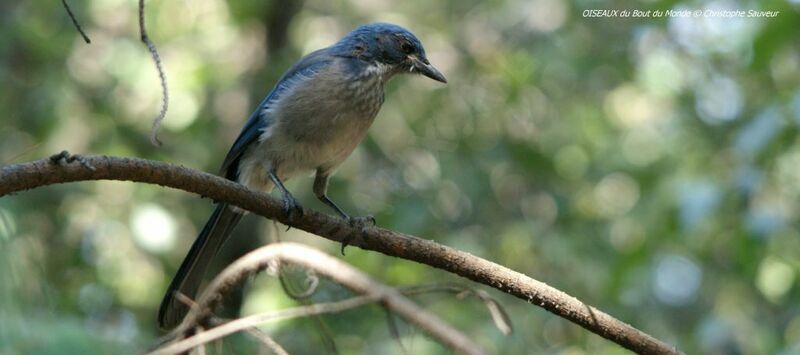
x=311 y=120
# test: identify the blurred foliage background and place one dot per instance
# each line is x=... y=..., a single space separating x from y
x=649 y=167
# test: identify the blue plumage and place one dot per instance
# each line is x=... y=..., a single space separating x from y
x=313 y=118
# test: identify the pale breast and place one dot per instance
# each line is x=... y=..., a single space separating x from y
x=321 y=120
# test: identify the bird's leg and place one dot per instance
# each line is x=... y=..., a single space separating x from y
x=292 y=209
x=321 y=191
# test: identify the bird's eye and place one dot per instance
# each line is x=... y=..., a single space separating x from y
x=407 y=47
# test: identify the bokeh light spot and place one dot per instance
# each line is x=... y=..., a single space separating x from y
x=153 y=228
x=571 y=162
x=676 y=280
x=719 y=100
x=616 y=194
x=775 y=278
x=546 y=15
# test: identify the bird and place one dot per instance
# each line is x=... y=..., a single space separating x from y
x=311 y=121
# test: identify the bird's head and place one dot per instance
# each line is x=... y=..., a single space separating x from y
x=390 y=49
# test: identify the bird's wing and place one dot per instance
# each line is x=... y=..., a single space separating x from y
x=307 y=67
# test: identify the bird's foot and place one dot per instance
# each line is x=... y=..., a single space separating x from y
x=292 y=210
x=65 y=158
x=362 y=224
x=361 y=221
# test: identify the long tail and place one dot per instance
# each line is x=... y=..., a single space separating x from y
x=190 y=274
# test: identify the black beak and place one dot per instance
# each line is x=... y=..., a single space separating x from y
x=425 y=67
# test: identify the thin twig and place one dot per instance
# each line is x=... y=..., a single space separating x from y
x=499 y=315
x=260 y=335
x=393 y=331
x=30 y=175
x=320 y=325
x=248 y=322
x=201 y=349
x=335 y=269
x=75 y=22
x=267 y=341
x=162 y=76
x=23 y=152
x=290 y=287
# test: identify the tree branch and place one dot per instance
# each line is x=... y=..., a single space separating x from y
x=19 y=177
x=335 y=269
